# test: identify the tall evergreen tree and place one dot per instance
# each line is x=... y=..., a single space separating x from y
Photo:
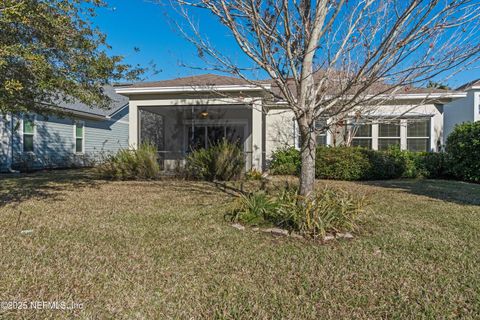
x=50 y=53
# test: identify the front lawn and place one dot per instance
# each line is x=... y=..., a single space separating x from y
x=153 y=250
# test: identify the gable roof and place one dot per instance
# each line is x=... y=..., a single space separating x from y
x=194 y=81
x=210 y=82
x=469 y=85
x=118 y=102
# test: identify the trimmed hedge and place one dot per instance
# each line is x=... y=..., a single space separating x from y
x=463 y=148
x=342 y=163
x=285 y=161
x=355 y=163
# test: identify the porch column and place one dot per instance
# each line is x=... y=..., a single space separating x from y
x=133 y=125
x=257 y=136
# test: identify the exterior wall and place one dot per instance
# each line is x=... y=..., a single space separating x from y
x=54 y=141
x=461 y=110
x=280 y=128
x=107 y=136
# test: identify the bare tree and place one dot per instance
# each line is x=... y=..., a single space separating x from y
x=332 y=58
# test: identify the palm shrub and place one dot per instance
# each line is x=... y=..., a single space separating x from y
x=463 y=149
x=128 y=164
x=254 y=208
x=327 y=211
x=223 y=161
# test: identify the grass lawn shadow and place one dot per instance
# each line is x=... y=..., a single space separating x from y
x=16 y=188
x=446 y=190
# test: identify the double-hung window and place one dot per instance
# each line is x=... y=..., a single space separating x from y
x=321 y=125
x=28 y=134
x=418 y=135
x=388 y=134
x=79 y=137
x=362 y=135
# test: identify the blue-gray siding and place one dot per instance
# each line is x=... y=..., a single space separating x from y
x=54 y=141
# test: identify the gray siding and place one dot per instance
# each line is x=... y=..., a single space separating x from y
x=54 y=141
x=107 y=137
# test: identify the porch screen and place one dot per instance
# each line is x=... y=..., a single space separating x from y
x=152 y=129
x=206 y=135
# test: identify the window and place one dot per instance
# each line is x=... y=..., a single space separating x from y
x=388 y=134
x=28 y=134
x=418 y=135
x=321 y=137
x=79 y=137
x=362 y=135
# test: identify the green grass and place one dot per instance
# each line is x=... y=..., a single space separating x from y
x=152 y=250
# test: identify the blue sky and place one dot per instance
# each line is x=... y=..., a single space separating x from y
x=144 y=24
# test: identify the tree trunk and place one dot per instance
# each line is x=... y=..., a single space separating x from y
x=307 y=173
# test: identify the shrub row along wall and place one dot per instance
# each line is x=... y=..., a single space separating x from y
x=354 y=163
x=461 y=161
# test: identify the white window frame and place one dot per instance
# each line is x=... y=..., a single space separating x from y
x=33 y=119
x=325 y=134
x=75 y=136
x=429 y=138
x=400 y=123
x=371 y=137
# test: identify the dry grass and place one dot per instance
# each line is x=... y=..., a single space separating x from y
x=151 y=250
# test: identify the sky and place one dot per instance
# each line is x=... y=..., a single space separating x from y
x=148 y=26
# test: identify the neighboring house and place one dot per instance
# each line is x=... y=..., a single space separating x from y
x=84 y=135
x=466 y=109
x=182 y=114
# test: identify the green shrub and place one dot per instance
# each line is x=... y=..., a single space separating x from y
x=223 y=161
x=254 y=208
x=463 y=148
x=383 y=166
x=285 y=161
x=354 y=163
x=435 y=165
x=328 y=211
x=405 y=162
x=127 y=164
x=341 y=163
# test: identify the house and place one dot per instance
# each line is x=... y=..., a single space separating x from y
x=186 y=113
x=465 y=109
x=80 y=137
x=182 y=114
